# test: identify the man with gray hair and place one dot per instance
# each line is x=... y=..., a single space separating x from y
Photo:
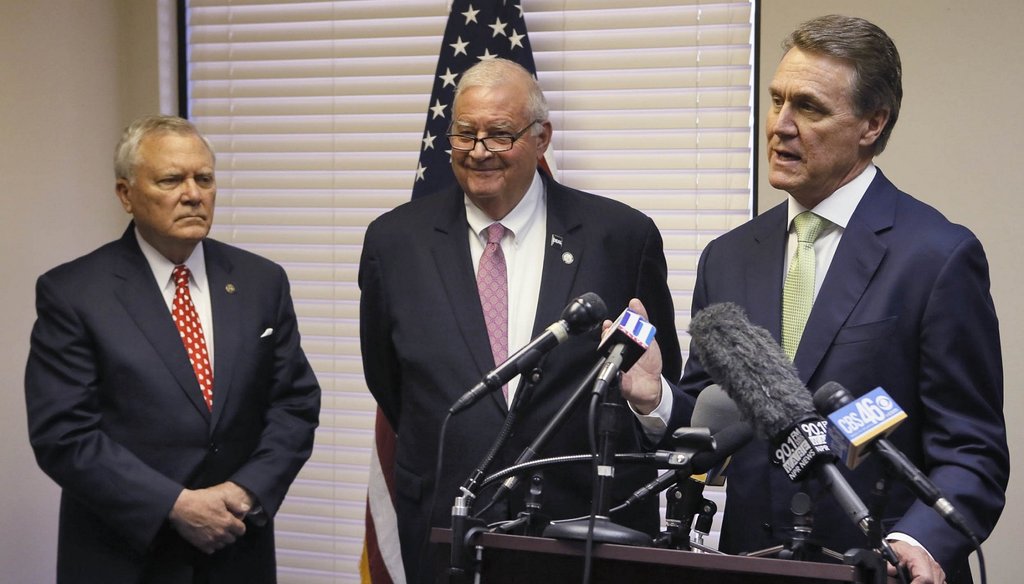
x=167 y=392
x=431 y=324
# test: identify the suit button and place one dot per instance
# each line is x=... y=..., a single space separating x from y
x=767 y=527
x=214 y=448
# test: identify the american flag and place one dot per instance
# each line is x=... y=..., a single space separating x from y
x=476 y=30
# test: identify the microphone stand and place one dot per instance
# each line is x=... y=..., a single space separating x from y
x=598 y=527
x=705 y=518
x=531 y=519
x=530 y=452
x=466 y=528
x=679 y=512
x=870 y=564
x=801 y=544
x=684 y=497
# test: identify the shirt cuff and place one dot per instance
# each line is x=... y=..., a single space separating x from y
x=655 y=423
x=898 y=536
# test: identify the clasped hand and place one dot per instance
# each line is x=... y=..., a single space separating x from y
x=211 y=518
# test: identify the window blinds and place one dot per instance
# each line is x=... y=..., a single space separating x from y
x=316 y=111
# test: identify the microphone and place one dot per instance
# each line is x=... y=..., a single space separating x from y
x=582 y=314
x=751 y=367
x=856 y=422
x=859 y=426
x=715 y=411
x=623 y=342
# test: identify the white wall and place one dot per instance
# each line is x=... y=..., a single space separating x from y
x=66 y=95
x=956 y=146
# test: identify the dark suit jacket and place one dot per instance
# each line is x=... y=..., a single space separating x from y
x=905 y=305
x=424 y=344
x=116 y=418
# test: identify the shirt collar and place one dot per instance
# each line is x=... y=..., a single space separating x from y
x=838 y=207
x=163 y=268
x=518 y=221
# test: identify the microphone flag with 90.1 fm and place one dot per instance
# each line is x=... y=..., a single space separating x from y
x=476 y=30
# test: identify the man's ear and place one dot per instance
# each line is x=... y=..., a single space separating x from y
x=544 y=138
x=875 y=125
x=122 y=188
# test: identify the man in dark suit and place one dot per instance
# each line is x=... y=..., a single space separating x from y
x=166 y=474
x=900 y=300
x=425 y=340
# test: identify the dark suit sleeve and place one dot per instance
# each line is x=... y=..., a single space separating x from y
x=653 y=291
x=380 y=362
x=67 y=430
x=291 y=415
x=961 y=392
x=694 y=377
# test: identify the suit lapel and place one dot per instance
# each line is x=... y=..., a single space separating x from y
x=143 y=300
x=857 y=258
x=764 y=272
x=450 y=247
x=227 y=313
x=563 y=254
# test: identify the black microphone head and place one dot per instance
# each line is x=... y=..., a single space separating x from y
x=728 y=441
x=714 y=409
x=584 y=313
x=752 y=368
x=830 y=397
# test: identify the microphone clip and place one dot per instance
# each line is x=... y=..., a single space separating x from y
x=465 y=530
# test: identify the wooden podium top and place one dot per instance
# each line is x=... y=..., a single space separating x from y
x=515 y=558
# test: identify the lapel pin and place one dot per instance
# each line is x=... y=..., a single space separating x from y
x=229 y=288
x=556 y=240
x=568 y=258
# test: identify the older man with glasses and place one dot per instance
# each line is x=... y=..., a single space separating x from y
x=453 y=283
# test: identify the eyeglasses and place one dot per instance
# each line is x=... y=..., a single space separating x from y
x=466 y=143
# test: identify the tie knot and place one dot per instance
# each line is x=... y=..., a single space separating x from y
x=808 y=226
x=494 y=233
x=181 y=274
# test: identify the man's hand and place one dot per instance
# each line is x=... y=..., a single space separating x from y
x=923 y=569
x=211 y=518
x=641 y=385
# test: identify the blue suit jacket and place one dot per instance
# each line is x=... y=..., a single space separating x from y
x=905 y=306
x=425 y=343
x=116 y=418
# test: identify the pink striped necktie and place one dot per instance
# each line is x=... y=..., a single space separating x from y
x=492 y=284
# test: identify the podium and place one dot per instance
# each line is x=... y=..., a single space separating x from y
x=516 y=559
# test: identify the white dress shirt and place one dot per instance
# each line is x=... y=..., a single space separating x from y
x=523 y=246
x=163 y=269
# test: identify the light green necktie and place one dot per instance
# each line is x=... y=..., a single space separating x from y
x=798 y=293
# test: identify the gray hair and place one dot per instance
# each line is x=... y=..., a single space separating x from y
x=126 y=153
x=497 y=72
x=877 y=81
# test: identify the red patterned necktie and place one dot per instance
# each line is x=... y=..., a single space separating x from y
x=185 y=317
x=492 y=284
